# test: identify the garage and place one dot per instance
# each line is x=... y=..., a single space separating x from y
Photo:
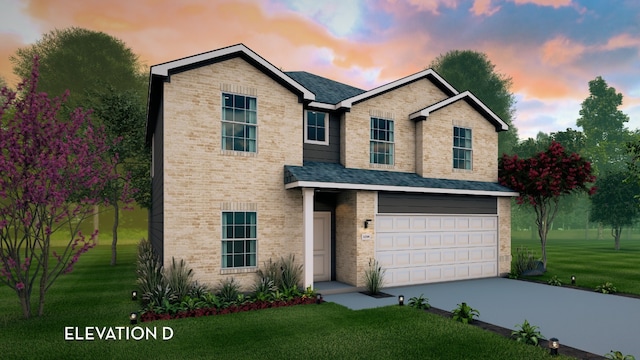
x=424 y=238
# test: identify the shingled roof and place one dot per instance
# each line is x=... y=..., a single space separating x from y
x=326 y=90
x=336 y=176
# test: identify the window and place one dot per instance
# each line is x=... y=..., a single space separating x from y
x=317 y=127
x=238 y=239
x=462 y=148
x=239 y=122
x=381 y=145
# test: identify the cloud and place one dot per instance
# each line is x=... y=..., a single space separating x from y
x=553 y=3
x=483 y=7
x=561 y=51
x=9 y=44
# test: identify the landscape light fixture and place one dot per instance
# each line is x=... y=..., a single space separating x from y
x=401 y=300
x=366 y=223
x=573 y=279
x=554 y=345
x=134 y=295
x=318 y=298
x=133 y=317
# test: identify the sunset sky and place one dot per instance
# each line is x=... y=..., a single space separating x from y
x=550 y=48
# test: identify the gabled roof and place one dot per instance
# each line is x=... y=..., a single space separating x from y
x=326 y=90
x=165 y=69
x=471 y=100
x=428 y=74
x=323 y=175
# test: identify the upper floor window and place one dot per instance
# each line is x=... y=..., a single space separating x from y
x=462 y=153
x=381 y=145
x=317 y=127
x=239 y=122
x=239 y=232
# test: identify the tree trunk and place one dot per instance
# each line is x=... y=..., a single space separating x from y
x=599 y=231
x=46 y=243
x=616 y=232
x=25 y=302
x=96 y=220
x=114 y=241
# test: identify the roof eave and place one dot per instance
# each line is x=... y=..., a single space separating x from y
x=439 y=81
x=166 y=68
x=373 y=187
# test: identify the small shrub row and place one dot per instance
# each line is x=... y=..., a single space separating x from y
x=173 y=292
x=182 y=312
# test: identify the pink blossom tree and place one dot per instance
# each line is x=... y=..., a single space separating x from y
x=52 y=173
x=543 y=179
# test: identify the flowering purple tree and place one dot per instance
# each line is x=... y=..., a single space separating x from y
x=52 y=173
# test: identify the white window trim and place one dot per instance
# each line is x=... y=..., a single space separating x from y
x=463 y=148
x=326 y=129
x=222 y=122
x=393 y=154
x=238 y=269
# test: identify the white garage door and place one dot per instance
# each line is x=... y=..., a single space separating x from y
x=417 y=249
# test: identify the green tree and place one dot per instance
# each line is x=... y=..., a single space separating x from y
x=473 y=71
x=616 y=203
x=604 y=127
x=83 y=62
x=97 y=70
x=124 y=116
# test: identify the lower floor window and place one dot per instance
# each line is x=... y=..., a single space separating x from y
x=239 y=230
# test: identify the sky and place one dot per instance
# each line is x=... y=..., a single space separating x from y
x=550 y=49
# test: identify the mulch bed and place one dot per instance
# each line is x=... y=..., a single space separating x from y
x=564 y=350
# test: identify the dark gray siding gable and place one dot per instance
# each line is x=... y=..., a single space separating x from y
x=410 y=203
x=326 y=153
x=156 y=214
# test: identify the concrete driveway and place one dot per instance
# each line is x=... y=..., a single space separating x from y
x=585 y=320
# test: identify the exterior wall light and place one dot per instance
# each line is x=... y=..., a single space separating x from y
x=573 y=279
x=401 y=300
x=133 y=317
x=366 y=223
x=554 y=345
x=134 y=295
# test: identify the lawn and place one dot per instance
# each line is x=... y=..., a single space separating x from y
x=96 y=294
x=592 y=261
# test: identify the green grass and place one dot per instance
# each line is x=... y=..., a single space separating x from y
x=592 y=261
x=96 y=294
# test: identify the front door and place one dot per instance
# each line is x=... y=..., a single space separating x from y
x=322 y=246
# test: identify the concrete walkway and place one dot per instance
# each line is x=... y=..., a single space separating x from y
x=585 y=320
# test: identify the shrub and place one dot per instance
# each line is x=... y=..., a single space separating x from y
x=617 y=355
x=464 y=313
x=554 y=281
x=180 y=279
x=228 y=291
x=151 y=282
x=263 y=289
x=523 y=261
x=270 y=272
x=419 y=302
x=528 y=334
x=374 y=277
x=291 y=274
x=606 y=288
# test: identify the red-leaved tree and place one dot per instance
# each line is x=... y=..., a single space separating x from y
x=543 y=179
x=52 y=173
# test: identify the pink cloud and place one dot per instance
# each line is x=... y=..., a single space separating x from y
x=483 y=7
x=561 y=50
x=553 y=3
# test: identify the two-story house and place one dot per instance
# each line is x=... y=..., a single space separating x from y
x=252 y=163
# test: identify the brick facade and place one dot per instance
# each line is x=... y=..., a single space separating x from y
x=201 y=180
